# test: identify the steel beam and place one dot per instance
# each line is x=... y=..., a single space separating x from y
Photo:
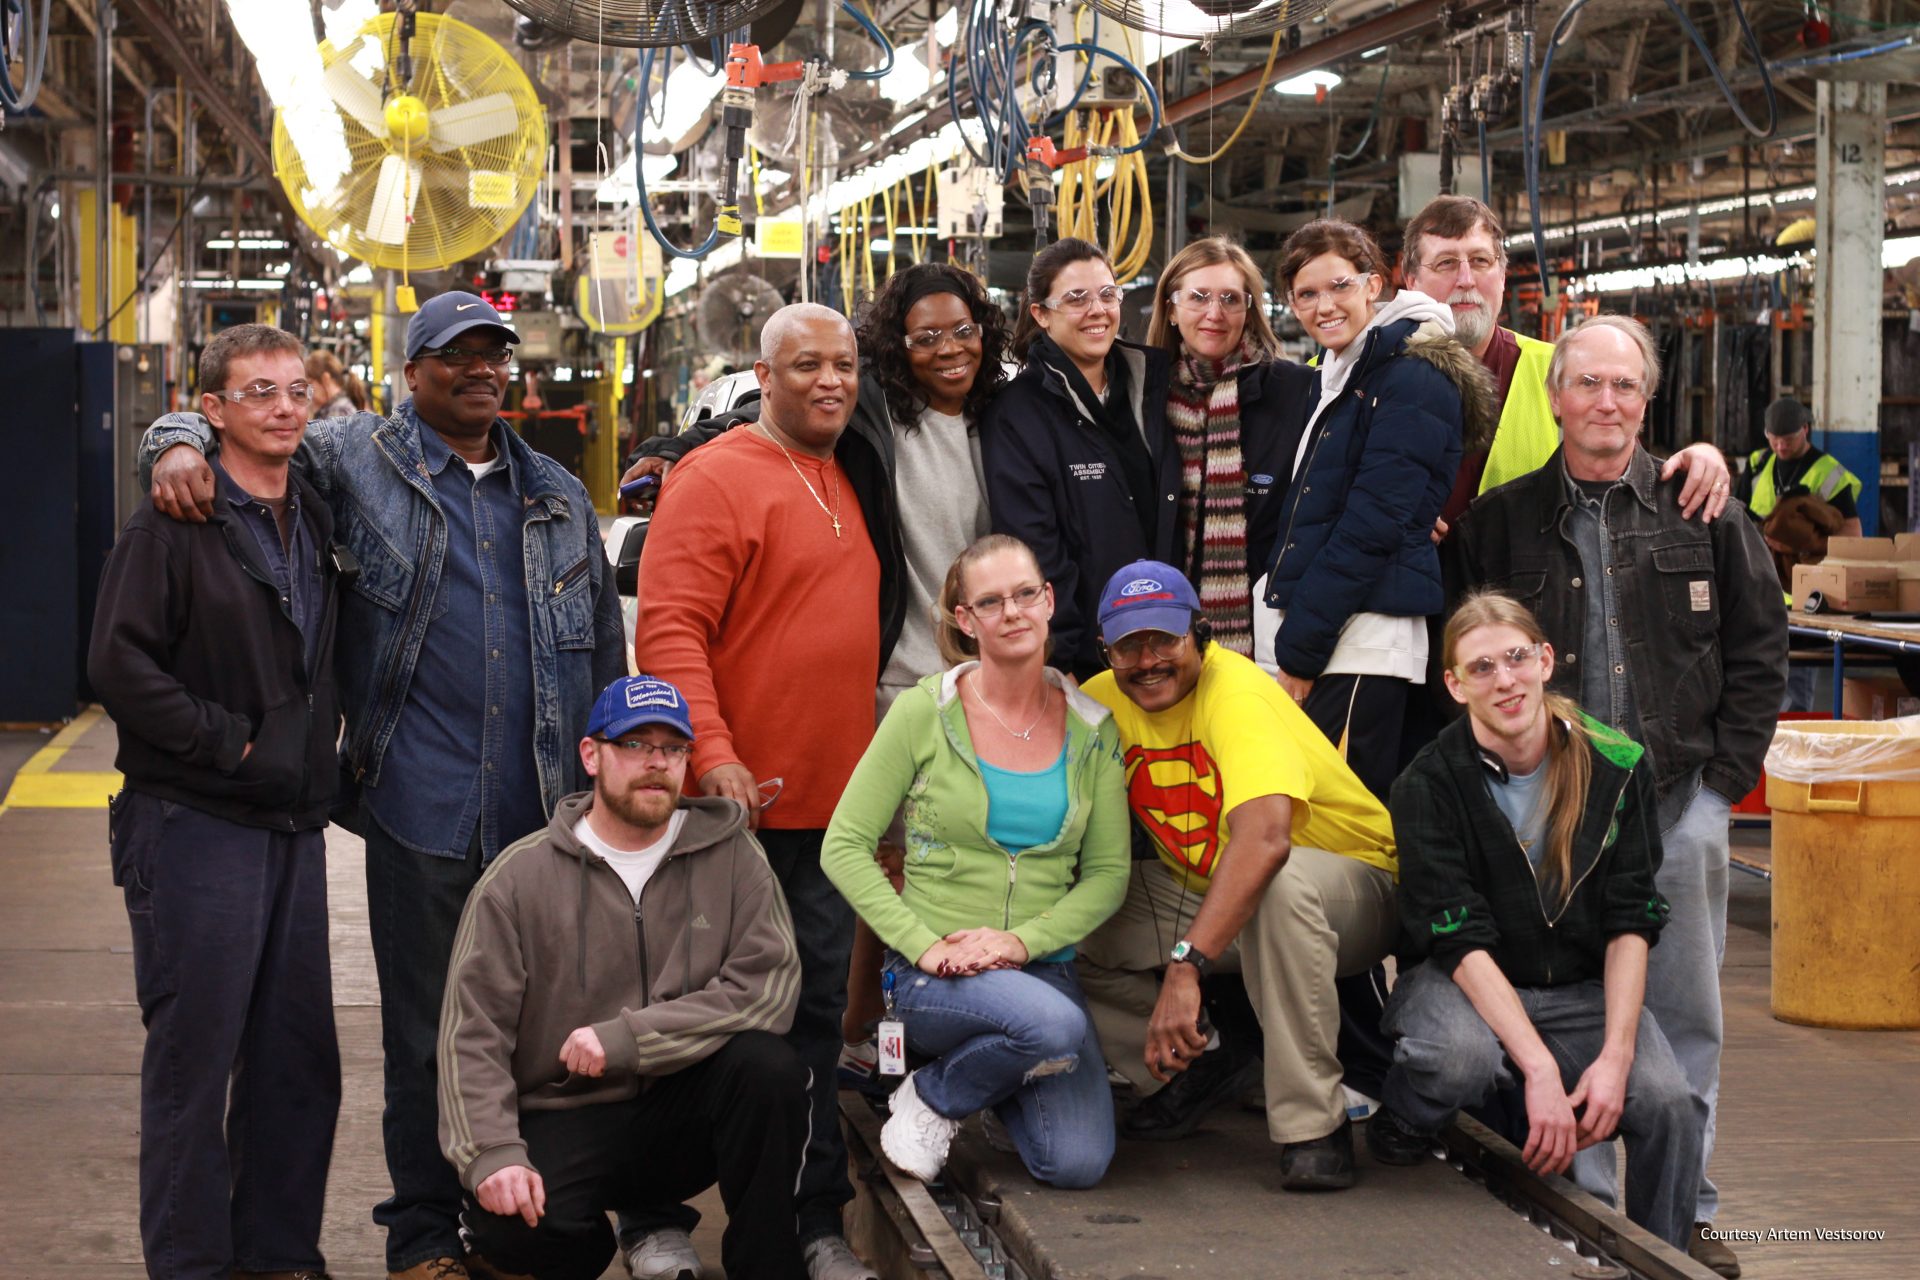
x=220 y=101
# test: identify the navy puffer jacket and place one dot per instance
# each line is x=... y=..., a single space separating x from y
x=1356 y=527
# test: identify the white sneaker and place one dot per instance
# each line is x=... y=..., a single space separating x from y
x=831 y=1258
x=666 y=1254
x=916 y=1137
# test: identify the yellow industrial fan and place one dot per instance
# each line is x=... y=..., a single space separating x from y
x=426 y=148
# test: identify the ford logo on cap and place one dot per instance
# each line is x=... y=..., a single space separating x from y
x=1140 y=587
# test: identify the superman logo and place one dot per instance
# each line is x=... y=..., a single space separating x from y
x=1175 y=793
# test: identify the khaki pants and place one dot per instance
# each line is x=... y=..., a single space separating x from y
x=1324 y=916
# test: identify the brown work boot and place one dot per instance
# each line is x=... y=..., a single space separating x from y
x=480 y=1269
x=433 y=1269
x=1711 y=1253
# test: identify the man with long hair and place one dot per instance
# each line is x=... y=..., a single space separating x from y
x=1528 y=847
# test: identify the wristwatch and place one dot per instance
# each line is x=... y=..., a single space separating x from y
x=1185 y=952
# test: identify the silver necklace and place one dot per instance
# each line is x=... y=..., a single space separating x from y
x=1025 y=735
x=832 y=514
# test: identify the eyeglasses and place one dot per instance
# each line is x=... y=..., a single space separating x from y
x=669 y=752
x=994 y=606
x=264 y=393
x=1481 y=264
x=1127 y=652
x=1626 y=389
x=461 y=357
x=1232 y=301
x=1481 y=670
x=1074 y=301
x=1340 y=290
x=934 y=339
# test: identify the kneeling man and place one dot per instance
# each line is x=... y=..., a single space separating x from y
x=1281 y=865
x=1529 y=841
x=611 y=1032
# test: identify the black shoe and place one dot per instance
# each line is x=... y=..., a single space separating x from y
x=1216 y=1076
x=1320 y=1164
x=1393 y=1141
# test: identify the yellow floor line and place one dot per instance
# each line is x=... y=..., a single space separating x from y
x=36 y=786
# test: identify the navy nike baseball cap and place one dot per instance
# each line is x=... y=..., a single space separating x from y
x=440 y=320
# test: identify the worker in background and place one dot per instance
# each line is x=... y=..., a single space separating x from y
x=336 y=392
x=763 y=604
x=212 y=650
x=1455 y=252
x=484 y=623
x=1666 y=630
x=1791 y=464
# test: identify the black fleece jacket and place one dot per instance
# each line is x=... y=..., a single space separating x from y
x=194 y=656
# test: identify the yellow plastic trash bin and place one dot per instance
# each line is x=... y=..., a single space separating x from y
x=1845 y=797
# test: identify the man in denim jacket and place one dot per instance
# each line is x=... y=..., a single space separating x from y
x=471 y=647
x=1666 y=629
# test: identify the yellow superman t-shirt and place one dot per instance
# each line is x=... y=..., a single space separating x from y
x=1237 y=737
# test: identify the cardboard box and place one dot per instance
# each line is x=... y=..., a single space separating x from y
x=1859 y=575
x=1906 y=563
x=1874 y=698
x=1848 y=587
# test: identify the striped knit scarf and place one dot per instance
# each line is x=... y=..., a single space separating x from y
x=1203 y=408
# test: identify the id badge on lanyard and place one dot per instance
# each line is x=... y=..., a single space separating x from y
x=891 y=1033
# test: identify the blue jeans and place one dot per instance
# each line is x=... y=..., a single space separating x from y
x=240 y=1081
x=1448 y=1058
x=1022 y=1043
x=414 y=901
x=1683 y=979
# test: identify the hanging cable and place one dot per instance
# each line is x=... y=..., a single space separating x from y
x=19 y=42
x=872 y=29
x=640 y=174
x=1253 y=104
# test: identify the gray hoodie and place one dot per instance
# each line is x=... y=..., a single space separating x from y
x=552 y=941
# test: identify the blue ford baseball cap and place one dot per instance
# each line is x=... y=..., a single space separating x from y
x=440 y=320
x=1147 y=595
x=632 y=701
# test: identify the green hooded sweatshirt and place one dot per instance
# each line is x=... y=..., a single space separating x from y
x=957 y=877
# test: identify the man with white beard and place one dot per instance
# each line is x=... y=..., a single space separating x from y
x=1454 y=251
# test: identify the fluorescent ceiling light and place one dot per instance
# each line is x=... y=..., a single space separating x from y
x=1375 y=52
x=1308 y=83
x=342 y=19
x=946 y=28
x=688 y=93
x=229 y=243
x=908 y=81
x=293 y=76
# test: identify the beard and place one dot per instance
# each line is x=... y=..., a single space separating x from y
x=1472 y=326
x=638 y=808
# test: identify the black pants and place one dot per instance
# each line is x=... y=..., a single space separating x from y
x=738 y=1118
x=240 y=1081
x=414 y=901
x=1365 y=716
x=823 y=931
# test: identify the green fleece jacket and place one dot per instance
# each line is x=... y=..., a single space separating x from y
x=551 y=941
x=957 y=877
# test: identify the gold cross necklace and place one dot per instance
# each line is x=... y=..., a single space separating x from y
x=833 y=512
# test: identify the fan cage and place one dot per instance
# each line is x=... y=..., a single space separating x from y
x=1209 y=20
x=656 y=24
x=453 y=64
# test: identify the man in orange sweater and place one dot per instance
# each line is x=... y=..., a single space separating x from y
x=761 y=602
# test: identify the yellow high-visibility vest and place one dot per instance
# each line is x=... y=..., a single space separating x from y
x=1527 y=434
x=1825 y=479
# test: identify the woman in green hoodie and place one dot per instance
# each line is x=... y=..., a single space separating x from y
x=1017 y=847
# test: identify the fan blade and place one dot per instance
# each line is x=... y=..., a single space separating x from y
x=393 y=199
x=473 y=122
x=356 y=95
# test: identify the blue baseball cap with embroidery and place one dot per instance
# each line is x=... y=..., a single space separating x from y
x=632 y=701
x=440 y=320
x=1147 y=595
